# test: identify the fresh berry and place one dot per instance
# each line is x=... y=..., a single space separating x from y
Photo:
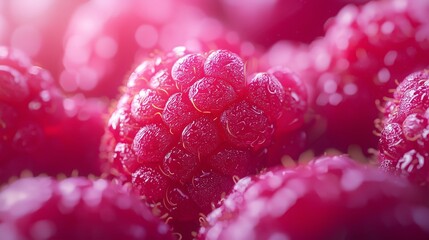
x=267 y=22
x=188 y=124
x=105 y=39
x=75 y=208
x=329 y=198
x=363 y=54
x=404 y=141
x=41 y=130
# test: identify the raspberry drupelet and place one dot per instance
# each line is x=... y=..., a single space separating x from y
x=41 y=130
x=189 y=124
x=75 y=208
x=404 y=141
x=365 y=51
x=331 y=197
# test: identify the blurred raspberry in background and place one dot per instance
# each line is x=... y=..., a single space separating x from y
x=106 y=39
x=36 y=28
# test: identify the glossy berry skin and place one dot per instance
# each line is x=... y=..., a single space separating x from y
x=75 y=208
x=329 y=198
x=106 y=40
x=41 y=130
x=365 y=51
x=369 y=49
x=404 y=140
x=189 y=124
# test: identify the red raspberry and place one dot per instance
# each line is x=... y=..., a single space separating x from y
x=105 y=39
x=75 y=208
x=330 y=198
x=189 y=124
x=40 y=129
x=364 y=52
x=404 y=140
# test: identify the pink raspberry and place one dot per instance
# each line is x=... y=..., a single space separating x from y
x=189 y=124
x=41 y=130
x=329 y=198
x=75 y=208
x=362 y=55
x=404 y=140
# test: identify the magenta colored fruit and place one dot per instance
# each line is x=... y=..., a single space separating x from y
x=41 y=130
x=75 y=208
x=404 y=142
x=330 y=198
x=365 y=51
x=189 y=124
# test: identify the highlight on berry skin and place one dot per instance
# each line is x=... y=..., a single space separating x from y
x=75 y=208
x=331 y=197
x=404 y=139
x=189 y=124
x=41 y=129
x=226 y=119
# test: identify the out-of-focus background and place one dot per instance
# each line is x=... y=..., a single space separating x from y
x=89 y=46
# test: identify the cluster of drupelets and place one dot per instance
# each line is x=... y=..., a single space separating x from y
x=214 y=119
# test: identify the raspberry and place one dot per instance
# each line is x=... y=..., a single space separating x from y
x=404 y=141
x=188 y=124
x=42 y=130
x=75 y=208
x=362 y=55
x=97 y=60
x=329 y=198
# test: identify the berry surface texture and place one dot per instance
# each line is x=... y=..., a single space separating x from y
x=214 y=119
